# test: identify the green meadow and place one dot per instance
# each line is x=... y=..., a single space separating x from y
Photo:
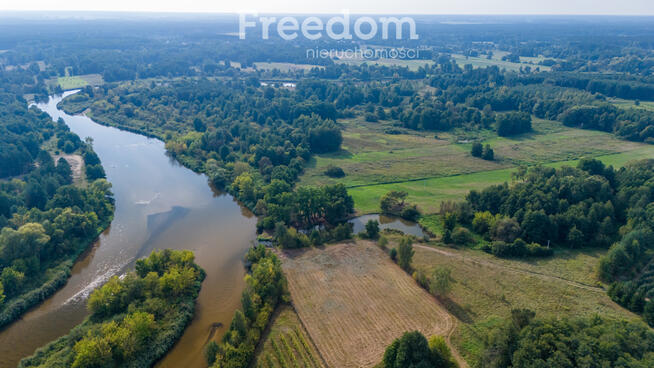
x=436 y=167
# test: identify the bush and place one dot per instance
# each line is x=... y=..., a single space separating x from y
x=519 y=248
x=462 y=236
x=382 y=242
x=447 y=236
x=371 y=118
x=476 y=149
x=372 y=229
x=334 y=172
x=342 y=232
x=410 y=212
x=512 y=123
x=488 y=154
x=393 y=254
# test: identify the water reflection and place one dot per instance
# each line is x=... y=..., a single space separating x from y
x=159 y=204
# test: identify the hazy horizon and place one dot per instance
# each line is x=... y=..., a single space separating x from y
x=423 y=7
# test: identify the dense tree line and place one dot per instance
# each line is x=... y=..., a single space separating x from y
x=569 y=207
x=618 y=86
x=134 y=319
x=512 y=123
x=22 y=131
x=526 y=341
x=628 y=262
x=591 y=205
x=46 y=220
x=265 y=289
x=251 y=140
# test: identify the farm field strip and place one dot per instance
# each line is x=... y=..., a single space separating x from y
x=286 y=343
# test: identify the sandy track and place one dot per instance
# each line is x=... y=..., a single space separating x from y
x=76 y=163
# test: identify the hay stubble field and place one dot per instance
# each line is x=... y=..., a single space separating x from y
x=354 y=302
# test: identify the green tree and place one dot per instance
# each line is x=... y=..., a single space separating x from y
x=441 y=353
x=447 y=236
x=477 y=149
x=393 y=254
x=12 y=280
x=488 y=153
x=94 y=352
x=575 y=238
x=409 y=351
x=372 y=229
x=441 y=281
x=2 y=294
x=405 y=253
x=210 y=352
x=393 y=202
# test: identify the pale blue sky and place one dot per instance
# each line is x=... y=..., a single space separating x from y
x=609 y=7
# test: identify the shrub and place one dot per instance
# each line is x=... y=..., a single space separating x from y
x=476 y=149
x=334 y=172
x=461 y=236
x=372 y=229
x=393 y=254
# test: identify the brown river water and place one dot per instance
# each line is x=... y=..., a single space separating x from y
x=159 y=204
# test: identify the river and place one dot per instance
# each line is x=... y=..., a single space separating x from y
x=159 y=204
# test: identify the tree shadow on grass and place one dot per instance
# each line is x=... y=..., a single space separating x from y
x=456 y=310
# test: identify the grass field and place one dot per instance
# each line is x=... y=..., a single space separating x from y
x=432 y=170
x=496 y=60
x=487 y=288
x=412 y=64
x=287 y=344
x=77 y=81
x=647 y=105
x=354 y=302
x=285 y=67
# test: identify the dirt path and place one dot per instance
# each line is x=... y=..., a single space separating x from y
x=76 y=163
x=513 y=269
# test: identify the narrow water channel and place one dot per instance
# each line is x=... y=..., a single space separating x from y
x=159 y=204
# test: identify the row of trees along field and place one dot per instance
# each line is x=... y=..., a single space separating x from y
x=134 y=319
x=265 y=289
x=470 y=98
x=46 y=219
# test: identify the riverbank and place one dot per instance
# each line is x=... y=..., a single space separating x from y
x=149 y=309
x=159 y=204
x=59 y=275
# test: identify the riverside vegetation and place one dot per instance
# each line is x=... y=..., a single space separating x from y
x=541 y=106
x=134 y=319
x=47 y=220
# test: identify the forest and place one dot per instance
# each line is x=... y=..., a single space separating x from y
x=46 y=219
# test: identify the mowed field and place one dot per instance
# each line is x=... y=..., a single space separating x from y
x=287 y=344
x=355 y=301
x=433 y=168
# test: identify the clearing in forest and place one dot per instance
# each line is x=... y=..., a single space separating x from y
x=354 y=301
